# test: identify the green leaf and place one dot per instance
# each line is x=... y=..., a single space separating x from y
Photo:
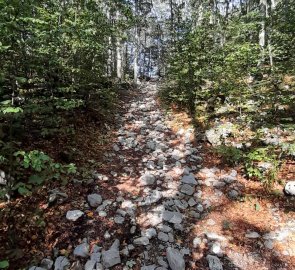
x=4 y=264
x=36 y=179
x=24 y=191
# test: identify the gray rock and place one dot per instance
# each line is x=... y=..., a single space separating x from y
x=165 y=228
x=252 y=235
x=47 y=263
x=148 y=267
x=82 y=250
x=192 y=202
x=187 y=189
x=61 y=263
x=175 y=259
x=214 y=263
x=269 y=244
x=233 y=194
x=90 y=265
x=95 y=256
x=74 y=215
x=290 y=188
x=163 y=237
x=94 y=200
x=111 y=257
x=119 y=219
x=149 y=233
x=141 y=241
x=189 y=179
x=147 y=179
x=172 y=217
x=36 y=268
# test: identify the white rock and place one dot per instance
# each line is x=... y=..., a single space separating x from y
x=252 y=235
x=290 y=188
x=73 y=215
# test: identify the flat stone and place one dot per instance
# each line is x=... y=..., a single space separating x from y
x=189 y=179
x=252 y=235
x=149 y=233
x=74 y=215
x=141 y=241
x=172 y=217
x=90 y=265
x=163 y=237
x=61 y=263
x=192 y=202
x=111 y=257
x=94 y=200
x=147 y=179
x=82 y=250
x=187 y=189
x=119 y=219
x=175 y=259
x=214 y=263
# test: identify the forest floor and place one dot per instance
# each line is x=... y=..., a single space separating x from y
x=163 y=201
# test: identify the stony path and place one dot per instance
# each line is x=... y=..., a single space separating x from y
x=158 y=201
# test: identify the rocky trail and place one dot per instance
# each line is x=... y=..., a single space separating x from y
x=157 y=206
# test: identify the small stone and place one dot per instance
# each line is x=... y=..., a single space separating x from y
x=216 y=249
x=119 y=219
x=36 y=268
x=149 y=233
x=133 y=229
x=214 y=263
x=172 y=217
x=46 y=263
x=252 y=235
x=214 y=236
x=163 y=237
x=82 y=250
x=269 y=244
x=233 y=194
x=148 y=267
x=197 y=242
x=290 y=188
x=74 y=215
x=147 y=179
x=192 y=202
x=111 y=257
x=61 y=263
x=187 y=189
x=141 y=241
x=175 y=259
x=165 y=228
x=200 y=208
x=94 y=200
x=107 y=235
x=189 y=179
